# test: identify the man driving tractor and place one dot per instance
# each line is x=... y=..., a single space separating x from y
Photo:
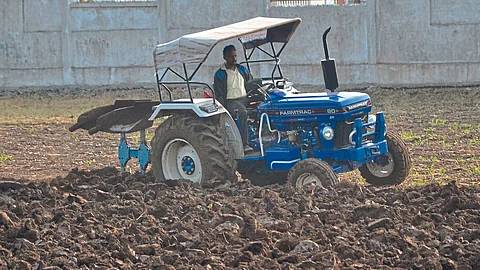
x=230 y=90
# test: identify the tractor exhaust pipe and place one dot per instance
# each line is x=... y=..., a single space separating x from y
x=328 y=66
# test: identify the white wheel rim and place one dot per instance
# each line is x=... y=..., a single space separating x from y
x=379 y=170
x=181 y=161
x=307 y=179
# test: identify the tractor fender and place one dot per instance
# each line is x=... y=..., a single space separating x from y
x=199 y=107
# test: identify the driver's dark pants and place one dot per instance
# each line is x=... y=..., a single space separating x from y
x=239 y=104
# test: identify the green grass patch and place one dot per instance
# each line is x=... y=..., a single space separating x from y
x=410 y=136
x=89 y=162
x=438 y=122
x=420 y=182
x=467 y=128
x=474 y=142
x=453 y=127
x=476 y=170
x=446 y=144
x=6 y=157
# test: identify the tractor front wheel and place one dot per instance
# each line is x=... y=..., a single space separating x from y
x=391 y=168
x=311 y=171
x=189 y=147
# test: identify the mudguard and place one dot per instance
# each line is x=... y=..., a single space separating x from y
x=203 y=107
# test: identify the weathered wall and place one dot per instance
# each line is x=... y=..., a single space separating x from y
x=430 y=41
x=348 y=43
x=388 y=42
x=30 y=48
x=53 y=42
x=112 y=43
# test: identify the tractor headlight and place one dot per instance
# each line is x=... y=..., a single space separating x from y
x=327 y=133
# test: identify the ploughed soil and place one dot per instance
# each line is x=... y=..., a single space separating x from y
x=65 y=205
x=102 y=219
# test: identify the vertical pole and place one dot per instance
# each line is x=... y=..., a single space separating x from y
x=246 y=57
x=143 y=137
x=372 y=43
x=188 y=82
x=162 y=20
x=276 y=61
x=66 y=44
x=159 y=87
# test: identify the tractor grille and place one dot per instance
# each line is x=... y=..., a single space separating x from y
x=342 y=130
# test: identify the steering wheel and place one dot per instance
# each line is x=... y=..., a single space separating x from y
x=261 y=89
x=281 y=84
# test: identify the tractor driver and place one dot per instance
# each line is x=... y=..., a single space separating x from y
x=229 y=87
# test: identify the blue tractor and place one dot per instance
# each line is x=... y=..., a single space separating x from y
x=301 y=139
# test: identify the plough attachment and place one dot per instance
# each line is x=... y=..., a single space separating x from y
x=124 y=116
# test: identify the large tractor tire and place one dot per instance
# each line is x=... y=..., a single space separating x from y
x=311 y=171
x=391 y=168
x=189 y=147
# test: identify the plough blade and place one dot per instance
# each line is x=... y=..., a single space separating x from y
x=125 y=119
x=88 y=119
x=123 y=116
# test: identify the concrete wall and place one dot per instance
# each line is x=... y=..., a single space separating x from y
x=112 y=43
x=30 y=49
x=53 y=42
x=430 y=41
x=348 y=43
x=386 y=42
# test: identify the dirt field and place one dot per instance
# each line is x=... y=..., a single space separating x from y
x=440 y=125
x=63 y=205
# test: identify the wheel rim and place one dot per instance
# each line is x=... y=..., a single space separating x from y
x=181 y=161
x=382 y=170
x=307 y=179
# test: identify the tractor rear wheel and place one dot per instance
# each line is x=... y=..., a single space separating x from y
x=186 y=146
x=391 y=168
x=311 y=171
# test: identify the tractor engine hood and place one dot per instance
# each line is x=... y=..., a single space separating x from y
x=321 y=106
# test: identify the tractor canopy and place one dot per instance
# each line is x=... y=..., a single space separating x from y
x=173 y=56
x=195 y=48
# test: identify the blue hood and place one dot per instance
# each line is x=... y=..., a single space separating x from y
x=338 y=100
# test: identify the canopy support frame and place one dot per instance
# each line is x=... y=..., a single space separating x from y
x=184 y=80
x=274 y=55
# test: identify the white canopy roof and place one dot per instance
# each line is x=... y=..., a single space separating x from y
x=194 y=48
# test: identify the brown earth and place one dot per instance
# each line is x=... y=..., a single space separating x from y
x=85 y=214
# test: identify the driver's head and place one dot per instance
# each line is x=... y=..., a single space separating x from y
x=230 y=55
